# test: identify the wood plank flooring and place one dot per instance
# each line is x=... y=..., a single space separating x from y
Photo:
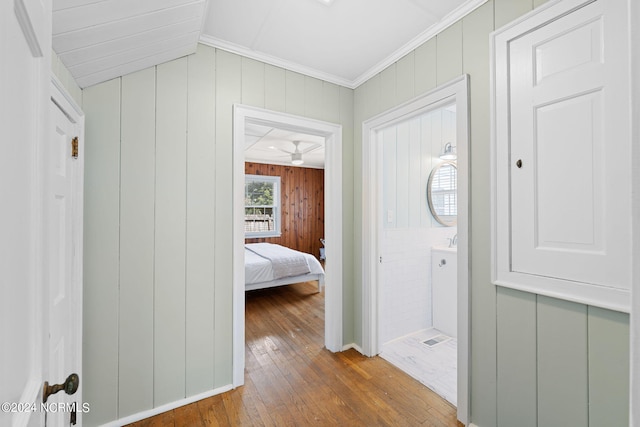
x=292 y=380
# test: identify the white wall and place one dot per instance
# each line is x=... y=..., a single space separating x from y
x=410 y=152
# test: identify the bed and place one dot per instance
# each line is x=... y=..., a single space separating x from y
x=267 y=265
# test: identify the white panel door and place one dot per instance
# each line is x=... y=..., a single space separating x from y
x=570 y=149
x=64 y=260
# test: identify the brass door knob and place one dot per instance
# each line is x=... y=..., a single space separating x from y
x=70 y=386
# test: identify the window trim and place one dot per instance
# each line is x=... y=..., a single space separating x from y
x=277 y=203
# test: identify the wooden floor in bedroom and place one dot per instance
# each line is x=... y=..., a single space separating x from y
x=291 y=379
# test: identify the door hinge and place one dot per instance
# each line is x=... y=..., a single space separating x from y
x=380 y=260
x=74 y=147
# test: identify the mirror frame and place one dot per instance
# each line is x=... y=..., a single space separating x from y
x=435 y=215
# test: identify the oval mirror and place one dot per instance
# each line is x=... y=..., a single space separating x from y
x=442 y=193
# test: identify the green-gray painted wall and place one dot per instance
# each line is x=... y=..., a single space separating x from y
x=535 y=361
x=158 y=297
x=158 y=270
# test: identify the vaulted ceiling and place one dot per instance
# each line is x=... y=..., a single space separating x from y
x=344 y=42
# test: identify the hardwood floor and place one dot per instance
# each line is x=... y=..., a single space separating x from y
x=290 y=379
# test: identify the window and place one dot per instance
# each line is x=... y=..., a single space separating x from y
x=261 y=206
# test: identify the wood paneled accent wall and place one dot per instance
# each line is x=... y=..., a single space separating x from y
x=302 y=206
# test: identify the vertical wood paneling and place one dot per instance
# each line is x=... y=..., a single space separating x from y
x=405 y=71
x=508 y=10
x=425 y=63
x=330 y=110
x=200 y=267
x=228 y=92
x=449 y=59
x=414 y=186
x=389 y=177
x=170 y=228
x=352 y=166
x=388 y=80
x=294 y=93
x=313 y=105
x=137 y=171
x=275 y=88
x=475 y=54
x=562 y=363
x=191 y=305
x=253 y=80
x=516 y=355
x=101 y=251
x=302 y=206
x=425 y=168
x=402 y=174
x=608 y=368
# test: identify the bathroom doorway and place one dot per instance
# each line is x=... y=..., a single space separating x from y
x=417 y=286
x=411 y=235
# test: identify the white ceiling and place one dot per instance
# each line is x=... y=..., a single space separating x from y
x=274 y=146
x=346 y=42
x=98 y=40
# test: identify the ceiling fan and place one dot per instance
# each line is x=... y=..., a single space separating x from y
x=296 y=155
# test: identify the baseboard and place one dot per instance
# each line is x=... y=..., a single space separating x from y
x=354 y=346
x=167 y=407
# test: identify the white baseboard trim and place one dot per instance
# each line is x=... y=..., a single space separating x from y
x=354 y=346
x=472 y=425
x=167 y=407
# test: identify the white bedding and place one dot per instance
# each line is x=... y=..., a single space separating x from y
x=259 y=270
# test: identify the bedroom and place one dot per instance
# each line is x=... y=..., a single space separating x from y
x=284 y=193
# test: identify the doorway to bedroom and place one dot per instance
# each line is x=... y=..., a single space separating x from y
x=269 y=148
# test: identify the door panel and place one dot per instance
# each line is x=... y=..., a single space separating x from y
x=570 y=185
x=64 y=282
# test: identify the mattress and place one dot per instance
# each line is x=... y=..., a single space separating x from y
x=258 y=269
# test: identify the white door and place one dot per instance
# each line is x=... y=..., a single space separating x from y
x=63 y=275
x=25 y=46
x=569 y=164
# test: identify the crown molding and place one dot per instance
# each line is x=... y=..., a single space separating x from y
x=273 y=60
x=450 y=19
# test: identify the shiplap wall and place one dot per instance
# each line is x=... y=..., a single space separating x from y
x=158 y=270
x=535 y=361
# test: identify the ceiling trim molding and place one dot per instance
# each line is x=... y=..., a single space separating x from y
x=450 y=19
x=272 y=60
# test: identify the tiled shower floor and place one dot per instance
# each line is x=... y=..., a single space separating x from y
x=435 y=366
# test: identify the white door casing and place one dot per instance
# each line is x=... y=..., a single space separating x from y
x=562 y=149
x=455 y=91
x=333 y=221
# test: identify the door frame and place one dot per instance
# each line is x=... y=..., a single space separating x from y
x=243 y=114
x=456 y=90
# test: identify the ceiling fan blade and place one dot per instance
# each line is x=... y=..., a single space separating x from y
x=312 y=148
